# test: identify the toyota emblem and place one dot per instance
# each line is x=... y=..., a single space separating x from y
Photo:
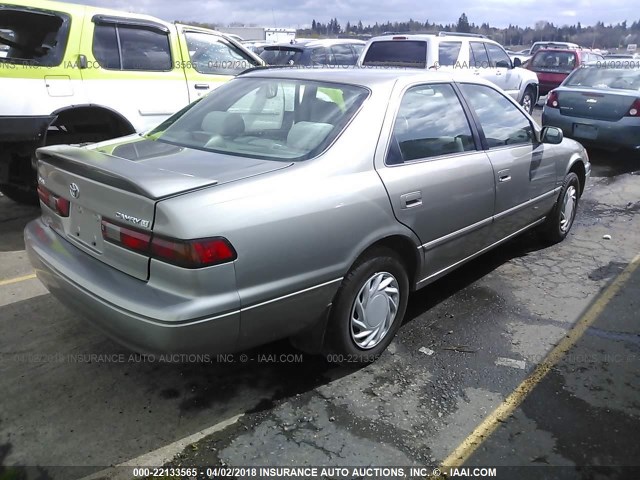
x=74 y=190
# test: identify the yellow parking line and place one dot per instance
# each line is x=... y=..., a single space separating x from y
x=462 y=453
x=17 y=279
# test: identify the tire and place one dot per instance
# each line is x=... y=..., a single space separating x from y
x=347 y=341
x=528 y=100
x=560 y=219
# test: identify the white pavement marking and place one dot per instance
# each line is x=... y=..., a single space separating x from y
x=160 y=456
x=510 y=362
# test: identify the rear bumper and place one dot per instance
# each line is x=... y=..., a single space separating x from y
x=623 y=133
x=146 y=318
x=130 y=313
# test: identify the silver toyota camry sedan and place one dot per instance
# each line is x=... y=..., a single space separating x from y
x=295 y=203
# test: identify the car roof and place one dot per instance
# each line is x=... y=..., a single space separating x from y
x=443 y=36
x=550 y=42
x=312 y=42
x=557 y=50
x=361 y=76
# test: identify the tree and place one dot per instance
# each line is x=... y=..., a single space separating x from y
x=463 y=24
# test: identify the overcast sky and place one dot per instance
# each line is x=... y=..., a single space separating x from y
x=299 y=13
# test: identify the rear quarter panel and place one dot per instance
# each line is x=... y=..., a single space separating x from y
x=296 y=229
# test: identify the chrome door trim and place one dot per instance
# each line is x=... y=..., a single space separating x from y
x=528 y=203
x=444 y=271
x=458 y=233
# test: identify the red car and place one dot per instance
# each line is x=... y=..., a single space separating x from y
x=553 y=65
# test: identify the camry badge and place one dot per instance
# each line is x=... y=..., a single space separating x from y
x=592 y=100
x=74 y=191
x=131 y=219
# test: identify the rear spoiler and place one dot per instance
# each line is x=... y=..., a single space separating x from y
x=127 y=175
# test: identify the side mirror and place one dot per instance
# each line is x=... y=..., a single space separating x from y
x=552 y=135
x=517 y=62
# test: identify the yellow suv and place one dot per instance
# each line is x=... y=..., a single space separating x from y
x=75 y=74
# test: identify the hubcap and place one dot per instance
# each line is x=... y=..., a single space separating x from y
x=374 y=310
x=568 y=209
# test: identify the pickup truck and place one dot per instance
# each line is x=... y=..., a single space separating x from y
x=75 y=74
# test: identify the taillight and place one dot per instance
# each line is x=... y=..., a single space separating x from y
x=183 y=253
x=126 y=237
x=634 y=110
x=552 y=100
x=193 y=253
x=54 y=202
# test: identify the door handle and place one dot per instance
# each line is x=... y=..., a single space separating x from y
x=410 y=200
x=201 y=86
x=504 y=175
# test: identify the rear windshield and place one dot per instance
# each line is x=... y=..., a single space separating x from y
x=397 y=53
x=32 y=37
x=281 y=55
x=268 y=118
x=602 y=76
x=554 y=61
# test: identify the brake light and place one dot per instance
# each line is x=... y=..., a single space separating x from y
x=634 y=110
x=126 y=237
x=54 y=202
x=193 y=253
x=398 y=38
x=199 y=253
x=552 y=100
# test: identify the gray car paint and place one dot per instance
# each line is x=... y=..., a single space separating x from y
x=297 y=229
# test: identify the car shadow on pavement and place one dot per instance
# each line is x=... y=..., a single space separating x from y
x=429 y=297
x=609 y=164
x=13 y=218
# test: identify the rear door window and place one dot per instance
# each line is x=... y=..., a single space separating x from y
x=126 y=47
x=33 y=37
x=402 y=53
x=478 y=55
x=421 y=130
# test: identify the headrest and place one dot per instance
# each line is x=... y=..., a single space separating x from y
x=308 y=135
x=223 y=123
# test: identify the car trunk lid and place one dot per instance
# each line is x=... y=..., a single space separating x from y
x=123 y=190
x=596 y=104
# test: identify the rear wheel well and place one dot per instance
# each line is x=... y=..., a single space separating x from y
x=579 y=170
x=87 y=124
x=406 y=250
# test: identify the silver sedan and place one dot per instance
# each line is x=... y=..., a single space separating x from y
x=295 y=203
